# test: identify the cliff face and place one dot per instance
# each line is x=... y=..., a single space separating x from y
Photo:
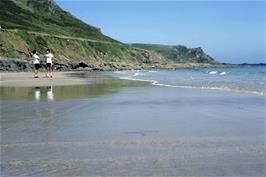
x=179 y=53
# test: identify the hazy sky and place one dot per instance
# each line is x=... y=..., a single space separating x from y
x=228 y=31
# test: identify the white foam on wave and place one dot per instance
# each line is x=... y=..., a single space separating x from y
x=213 y=72
x=157 y=83
x=222 y=73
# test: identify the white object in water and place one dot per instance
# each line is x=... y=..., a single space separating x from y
x=213 y=72
x=223 y=73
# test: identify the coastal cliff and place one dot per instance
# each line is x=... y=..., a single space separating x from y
x=29 y=24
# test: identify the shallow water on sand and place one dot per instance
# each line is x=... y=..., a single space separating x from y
x=119 y=127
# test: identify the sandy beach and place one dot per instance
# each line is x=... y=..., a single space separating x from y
x=26 y=79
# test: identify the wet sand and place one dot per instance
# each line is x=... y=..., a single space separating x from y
x=123 y=128
x=26 y=79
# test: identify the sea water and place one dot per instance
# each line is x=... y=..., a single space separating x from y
x=250 y=79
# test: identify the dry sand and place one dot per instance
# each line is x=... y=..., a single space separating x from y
x=26 y=79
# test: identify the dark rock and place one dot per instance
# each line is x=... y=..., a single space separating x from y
x=78 y=65
x=15 y=65
x=82 y=65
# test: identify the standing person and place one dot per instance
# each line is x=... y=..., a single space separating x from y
x=36 y=63
x=49 y=62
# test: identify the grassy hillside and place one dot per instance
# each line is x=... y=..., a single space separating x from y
x=178 y=53
x=41 y=24
x=45 y=16
x=19 y=43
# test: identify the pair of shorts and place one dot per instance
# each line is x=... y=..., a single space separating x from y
x=37 y=66
x=48 y=65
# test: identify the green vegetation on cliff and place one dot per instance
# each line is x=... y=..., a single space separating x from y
x=42 y=24
x=32 y=24
x=19 y=43
x=45 y=16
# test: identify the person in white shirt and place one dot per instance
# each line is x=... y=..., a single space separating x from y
x=36 y=63
x=49 y=63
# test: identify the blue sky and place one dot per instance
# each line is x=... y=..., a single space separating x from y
x=229 y=31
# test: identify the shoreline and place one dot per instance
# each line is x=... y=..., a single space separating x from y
x=64 y=78
x=20 y=65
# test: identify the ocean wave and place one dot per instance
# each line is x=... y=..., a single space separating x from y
x=157 y=83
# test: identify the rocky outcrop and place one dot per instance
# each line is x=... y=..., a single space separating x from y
x=196 y=55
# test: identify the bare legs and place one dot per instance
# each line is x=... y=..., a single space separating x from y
x=36 y=73
x=49 y=71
